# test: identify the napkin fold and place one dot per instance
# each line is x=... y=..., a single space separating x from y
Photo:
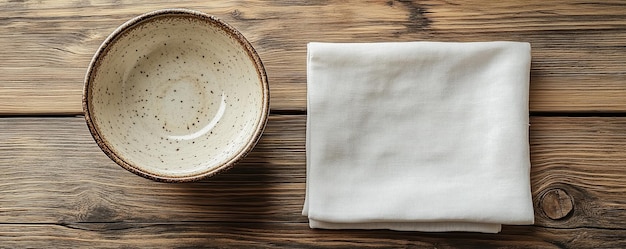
x=418 y=136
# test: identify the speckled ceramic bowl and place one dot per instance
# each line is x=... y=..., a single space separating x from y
x=176 y=95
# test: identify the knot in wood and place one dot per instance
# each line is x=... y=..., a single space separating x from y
x=556 y=203
x=236 y=14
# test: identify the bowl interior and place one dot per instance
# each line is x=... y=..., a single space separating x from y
x=176 y=95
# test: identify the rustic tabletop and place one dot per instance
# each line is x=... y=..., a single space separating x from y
x=57 y=189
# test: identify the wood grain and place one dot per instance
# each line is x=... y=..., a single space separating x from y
x=54 y=172
x=57 y=189
x=58 y=186
x=585 y=158
x=579 y=47
x=291 y=235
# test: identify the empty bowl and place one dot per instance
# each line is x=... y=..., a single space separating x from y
x=176 y=95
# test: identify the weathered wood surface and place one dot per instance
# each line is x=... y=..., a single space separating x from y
x=579 y=47
x=57 y=187
x=292 y=235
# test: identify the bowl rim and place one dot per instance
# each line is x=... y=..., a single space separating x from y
x=128 y=25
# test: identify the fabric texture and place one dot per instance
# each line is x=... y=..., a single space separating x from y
x=418 y=136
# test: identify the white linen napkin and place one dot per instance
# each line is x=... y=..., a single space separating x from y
x=418 y=136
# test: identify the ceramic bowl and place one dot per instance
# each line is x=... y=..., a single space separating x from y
x=176 y=95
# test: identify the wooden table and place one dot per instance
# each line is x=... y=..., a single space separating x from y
x=57 y=189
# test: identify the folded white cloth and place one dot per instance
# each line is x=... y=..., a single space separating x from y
x=419 y=136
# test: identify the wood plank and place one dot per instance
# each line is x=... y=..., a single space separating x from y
x=53 y=172
x=290 y=235
x=585 y=158
x=579 y=47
